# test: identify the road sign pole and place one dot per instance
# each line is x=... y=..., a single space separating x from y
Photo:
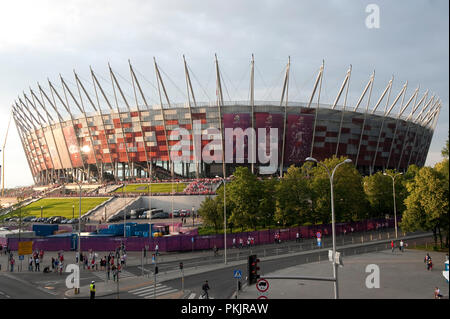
x=237 y=287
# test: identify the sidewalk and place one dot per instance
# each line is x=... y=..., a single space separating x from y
x=402 y=276
x=104 y=289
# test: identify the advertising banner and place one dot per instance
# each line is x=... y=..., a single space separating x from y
x=52 y=148
x=267 y=121
x=62 y=149
x=72 y=146
x=298 y=138
x=242 y=121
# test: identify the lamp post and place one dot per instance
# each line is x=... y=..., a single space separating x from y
x=41 y=210
x=333 y=226
x=73 y=211
x=224 y=219
x=393 y=193
x=84 y=149
x=192 y=212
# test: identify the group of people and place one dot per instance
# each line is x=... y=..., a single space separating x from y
x=401 y=246
x=37 y=259
x=250 y=242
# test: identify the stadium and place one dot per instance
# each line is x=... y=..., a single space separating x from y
x=67 y=134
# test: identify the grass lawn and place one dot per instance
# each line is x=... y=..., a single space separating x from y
x=156 y=188
x=59 y=207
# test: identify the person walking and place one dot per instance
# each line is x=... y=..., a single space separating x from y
x=92 y=289
x=114 y=271
x=401 y=245
x=30 y=264
x=37 y=262
x=234 y=242
x=12 y=262
x=392 y=245
x=157 y=250
x=205 y=289
x=428 y=262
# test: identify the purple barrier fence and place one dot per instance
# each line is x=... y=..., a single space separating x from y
x=46 y=244
x=184 y=242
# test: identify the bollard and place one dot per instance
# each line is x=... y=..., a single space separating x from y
x=370 y=237
x=362 y=239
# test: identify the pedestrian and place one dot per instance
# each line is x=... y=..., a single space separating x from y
x=392 y=245
x=437 y=293
x=401 y=245
x=12 y=262
x=125 y=259
x=297 y=237
x=157 y=250
x=36 y=262
x=205 y=289
x=215 y=250
x=92 y=289
x=53 y=264
x=30 y=264
x=114 y=271
x=108 y=269
x=61 y=266
x=241 y=242
x=234 y=242
x=428 y=262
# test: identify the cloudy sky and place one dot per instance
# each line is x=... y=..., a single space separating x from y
x=42 y=39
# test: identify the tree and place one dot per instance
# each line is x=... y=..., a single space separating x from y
x=293 y=196
x=244 y=193
x=267 y=204
x=349 y=199
x=378 y=189
x=427 y=203
x=210 y=213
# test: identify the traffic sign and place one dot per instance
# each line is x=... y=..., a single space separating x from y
x=318 y=234
x=262 y=297
x=25 y=248
x=262 y=285
x=237 y=274
x=21 y=257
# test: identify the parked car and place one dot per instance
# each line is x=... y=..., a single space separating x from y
x=64 y=220
x=28 y=218
x=160 y=215
x=34 y=219
x=176 y=213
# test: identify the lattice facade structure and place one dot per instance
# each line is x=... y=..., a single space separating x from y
x=128 y=139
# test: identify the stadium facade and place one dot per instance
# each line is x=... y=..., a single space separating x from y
x=113 y=143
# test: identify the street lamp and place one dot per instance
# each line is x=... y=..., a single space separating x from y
x=393 y=192
x=73 y=211
x=41 y=210
x=331 y=176
x=84 y=149
x=224 y=219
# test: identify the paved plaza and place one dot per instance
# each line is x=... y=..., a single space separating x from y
x=402 y=276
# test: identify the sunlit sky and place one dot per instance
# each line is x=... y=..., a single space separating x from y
x=42 y=39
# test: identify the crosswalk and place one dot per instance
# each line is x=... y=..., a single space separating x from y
x=150 y=292
x=123 y=274
x=199 y=296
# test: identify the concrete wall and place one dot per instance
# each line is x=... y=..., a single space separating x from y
x=179 y=202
